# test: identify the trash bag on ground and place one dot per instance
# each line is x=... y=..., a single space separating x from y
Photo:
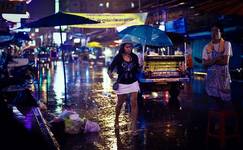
x=91 y=126
x=73 y=124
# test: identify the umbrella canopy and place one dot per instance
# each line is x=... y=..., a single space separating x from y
x=147 y=35
x=59 y=19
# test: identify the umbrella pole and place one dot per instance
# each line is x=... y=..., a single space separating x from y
x=143 y=55
x=64 y=69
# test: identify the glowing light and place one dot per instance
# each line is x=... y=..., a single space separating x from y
x=182 y=3
x=15 y=17
x=87 y=75
x=57 y=38
x=106 y=80
x=112 y=20
x=192 y=7
x=200 y=73
x=59 y=83
x=162 y=26
x=101 y=4
x=107 y=4
x=27 y=1
x=107 y=52
x=154 y=94
x=132 y=5
x=57 y=8
x=76 y=40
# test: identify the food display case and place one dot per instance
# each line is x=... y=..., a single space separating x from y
x=162 y=73
x=169 y=66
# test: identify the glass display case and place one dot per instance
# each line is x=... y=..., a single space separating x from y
x=169 y=66
x=162 y=73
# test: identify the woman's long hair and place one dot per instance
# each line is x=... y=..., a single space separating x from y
x=218 y=25
x=121 y=50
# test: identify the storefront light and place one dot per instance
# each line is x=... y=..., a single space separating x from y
x=154 y=94
x=132 y=5
x=15 y=17
x=107 y=4
x=27 y=1
x=77 y=40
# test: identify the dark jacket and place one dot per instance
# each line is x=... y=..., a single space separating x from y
x=127 y=71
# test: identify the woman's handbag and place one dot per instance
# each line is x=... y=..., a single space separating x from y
x=115 y=86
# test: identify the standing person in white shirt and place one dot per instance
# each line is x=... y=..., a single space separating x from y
x=216 y=55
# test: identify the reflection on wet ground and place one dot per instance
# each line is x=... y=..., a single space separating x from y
x=162 y=124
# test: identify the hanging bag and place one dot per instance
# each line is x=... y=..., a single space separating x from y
x=115 y=85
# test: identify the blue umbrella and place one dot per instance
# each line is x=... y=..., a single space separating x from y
x=147 y=35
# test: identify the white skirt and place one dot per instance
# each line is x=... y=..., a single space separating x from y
x=127 y=88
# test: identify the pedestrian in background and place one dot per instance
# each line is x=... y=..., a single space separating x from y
x=216 y=55
x=127 y=66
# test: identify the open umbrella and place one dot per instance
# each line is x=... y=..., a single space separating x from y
x=147 y=35
x=59 y=19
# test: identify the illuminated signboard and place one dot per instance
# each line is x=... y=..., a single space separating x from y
x=112 y=20
x=177 y=26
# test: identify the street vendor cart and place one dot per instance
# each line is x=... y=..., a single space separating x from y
x=162 y=74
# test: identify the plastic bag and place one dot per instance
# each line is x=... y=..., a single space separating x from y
x=91 y=126
x=73 y=124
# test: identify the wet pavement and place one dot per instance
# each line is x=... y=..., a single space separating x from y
x=161 y=125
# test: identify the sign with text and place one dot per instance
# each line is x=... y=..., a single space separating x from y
x=112 y=20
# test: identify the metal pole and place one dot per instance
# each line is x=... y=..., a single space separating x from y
x=38 y=82
x=139 y=5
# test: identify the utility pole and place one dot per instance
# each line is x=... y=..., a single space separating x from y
x=139 y=5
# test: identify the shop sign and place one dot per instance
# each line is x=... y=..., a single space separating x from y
x=112 y=20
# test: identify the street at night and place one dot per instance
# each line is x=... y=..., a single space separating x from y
x=162 y=125
x=121 y=75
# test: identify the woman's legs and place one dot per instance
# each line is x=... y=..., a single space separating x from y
x=119 y=104
x=134 y=110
